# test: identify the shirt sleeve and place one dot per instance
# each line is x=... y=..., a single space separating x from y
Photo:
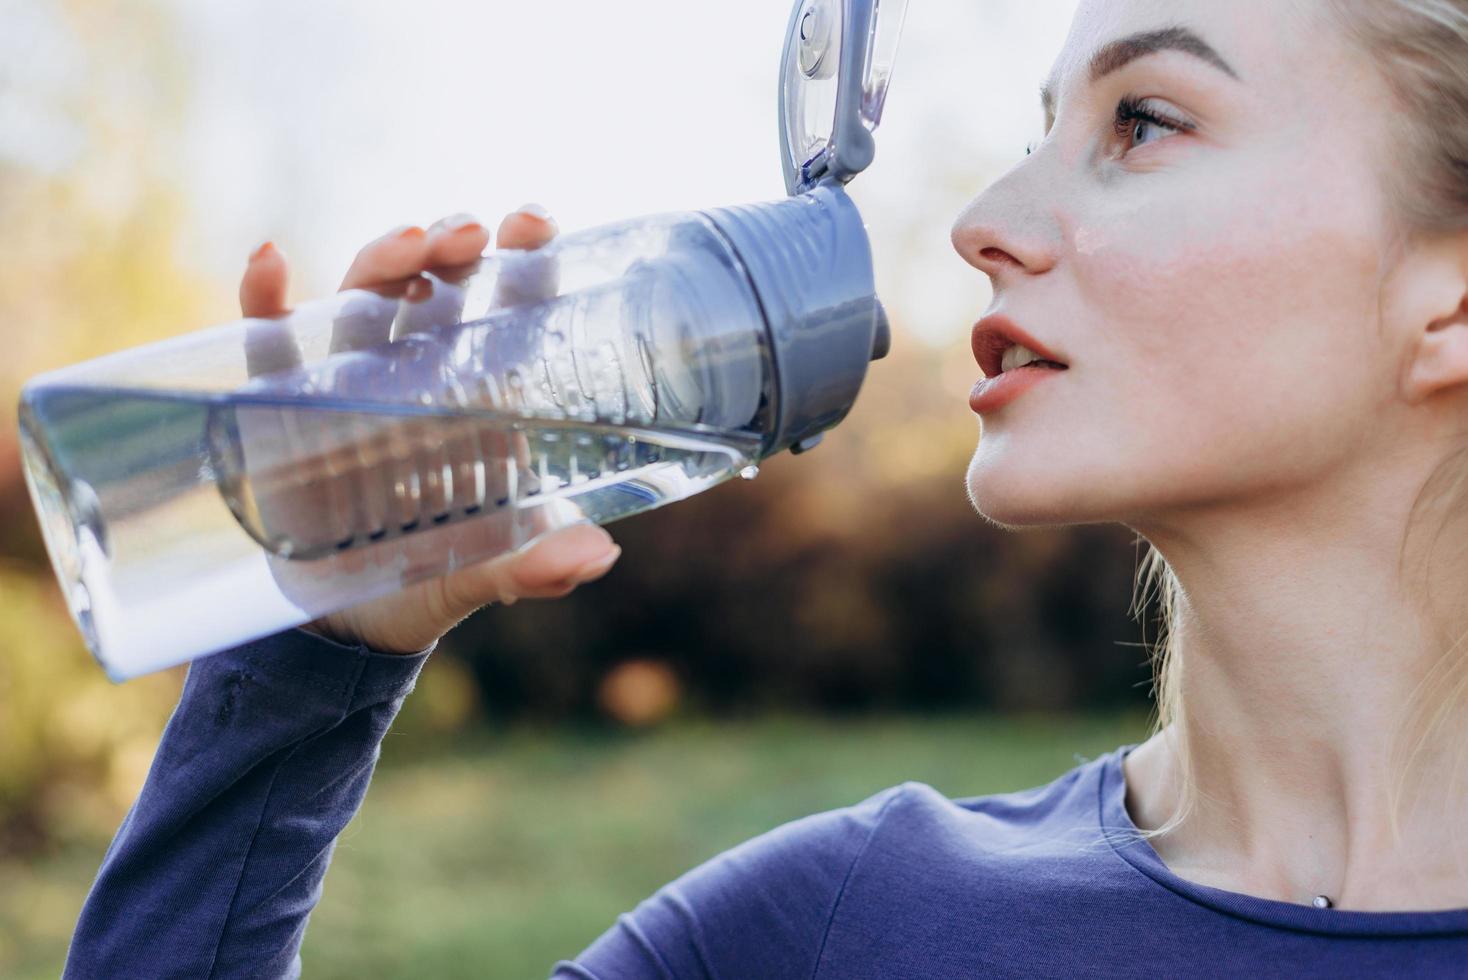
x=761 y=909
x=218 y=865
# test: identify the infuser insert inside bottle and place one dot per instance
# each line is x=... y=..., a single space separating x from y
x=601 y=386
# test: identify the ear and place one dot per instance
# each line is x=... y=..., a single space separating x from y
x=1439 y=359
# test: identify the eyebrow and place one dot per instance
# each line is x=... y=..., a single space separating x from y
x=1123 y=51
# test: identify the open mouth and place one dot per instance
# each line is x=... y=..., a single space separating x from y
x=1000 y=345
x=1019 y=356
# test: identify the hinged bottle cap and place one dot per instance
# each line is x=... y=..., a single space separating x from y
x=833 y=83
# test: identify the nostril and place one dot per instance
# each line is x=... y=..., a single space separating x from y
x=998 y=255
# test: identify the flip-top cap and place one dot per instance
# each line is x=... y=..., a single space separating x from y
x=833 y=84
x=811 y=267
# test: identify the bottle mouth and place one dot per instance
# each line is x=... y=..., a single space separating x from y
x=70 y=525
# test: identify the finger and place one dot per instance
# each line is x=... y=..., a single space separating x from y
x=550 y=568
x=270 y=348
x=569 y=556
x=454 y=243
x=534 y=276
x=270 y=343
x=363 y=320
x=474 y=459
x=263 y=286
x=455 y=246
x=529 y=227
x=391 y=260
x=417 y=471
x=383 y=270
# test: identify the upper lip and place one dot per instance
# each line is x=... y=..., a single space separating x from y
x=995 y=334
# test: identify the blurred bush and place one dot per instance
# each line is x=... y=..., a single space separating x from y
x=74 y=748
x=87 y=265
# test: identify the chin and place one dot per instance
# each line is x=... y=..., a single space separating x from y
x=1015 y=493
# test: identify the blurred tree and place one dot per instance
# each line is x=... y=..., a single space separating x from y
x=90 y=93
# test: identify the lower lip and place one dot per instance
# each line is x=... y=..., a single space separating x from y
x=992 y=394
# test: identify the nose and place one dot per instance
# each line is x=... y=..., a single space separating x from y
x=1010 y=230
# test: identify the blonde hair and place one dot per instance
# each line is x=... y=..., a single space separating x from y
x=1421 y=48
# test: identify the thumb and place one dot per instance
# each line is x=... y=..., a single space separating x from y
x=551 y=567
x=569 y=556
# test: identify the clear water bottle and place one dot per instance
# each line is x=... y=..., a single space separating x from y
x=207 y=490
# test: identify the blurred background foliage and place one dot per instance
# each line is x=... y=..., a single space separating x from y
x=87 y=266
x=768 y=648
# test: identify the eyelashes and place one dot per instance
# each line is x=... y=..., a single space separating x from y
x=1133 y=115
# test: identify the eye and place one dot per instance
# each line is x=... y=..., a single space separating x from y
x=1140 y=121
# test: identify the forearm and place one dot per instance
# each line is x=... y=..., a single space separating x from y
x=220 y=862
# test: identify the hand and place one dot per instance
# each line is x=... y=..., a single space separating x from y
x=394 y=266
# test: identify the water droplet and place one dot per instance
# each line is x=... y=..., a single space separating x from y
x=749 y=472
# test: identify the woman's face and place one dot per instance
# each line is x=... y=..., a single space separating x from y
x=1202 y=237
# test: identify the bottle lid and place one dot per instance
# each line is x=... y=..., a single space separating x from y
x=811 y=267
x=834 y=73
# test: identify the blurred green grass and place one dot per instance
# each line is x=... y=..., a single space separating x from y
x=500 y=854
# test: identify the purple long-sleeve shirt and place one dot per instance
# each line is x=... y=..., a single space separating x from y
x=216 y=869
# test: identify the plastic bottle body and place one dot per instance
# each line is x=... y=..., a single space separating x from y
x=208 y=490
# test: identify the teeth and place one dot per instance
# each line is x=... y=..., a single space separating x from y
x=1017 y=357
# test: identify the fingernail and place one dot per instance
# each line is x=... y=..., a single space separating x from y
x=534 y=210
x=595 y=568
x=405 y=232
x=264 y=249
x=458 y=222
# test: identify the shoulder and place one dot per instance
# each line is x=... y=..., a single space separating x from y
x=757 y=909
x=764 y=907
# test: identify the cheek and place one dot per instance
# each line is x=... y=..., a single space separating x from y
x=1240 y=322
x=1224 y=336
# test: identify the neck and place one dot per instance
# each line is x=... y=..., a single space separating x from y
x=1310 y=658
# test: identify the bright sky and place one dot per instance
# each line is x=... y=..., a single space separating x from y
x=320 y=125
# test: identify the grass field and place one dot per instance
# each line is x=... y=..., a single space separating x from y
x=501 y=855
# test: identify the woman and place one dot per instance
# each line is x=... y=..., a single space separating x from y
x=1242 y=245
